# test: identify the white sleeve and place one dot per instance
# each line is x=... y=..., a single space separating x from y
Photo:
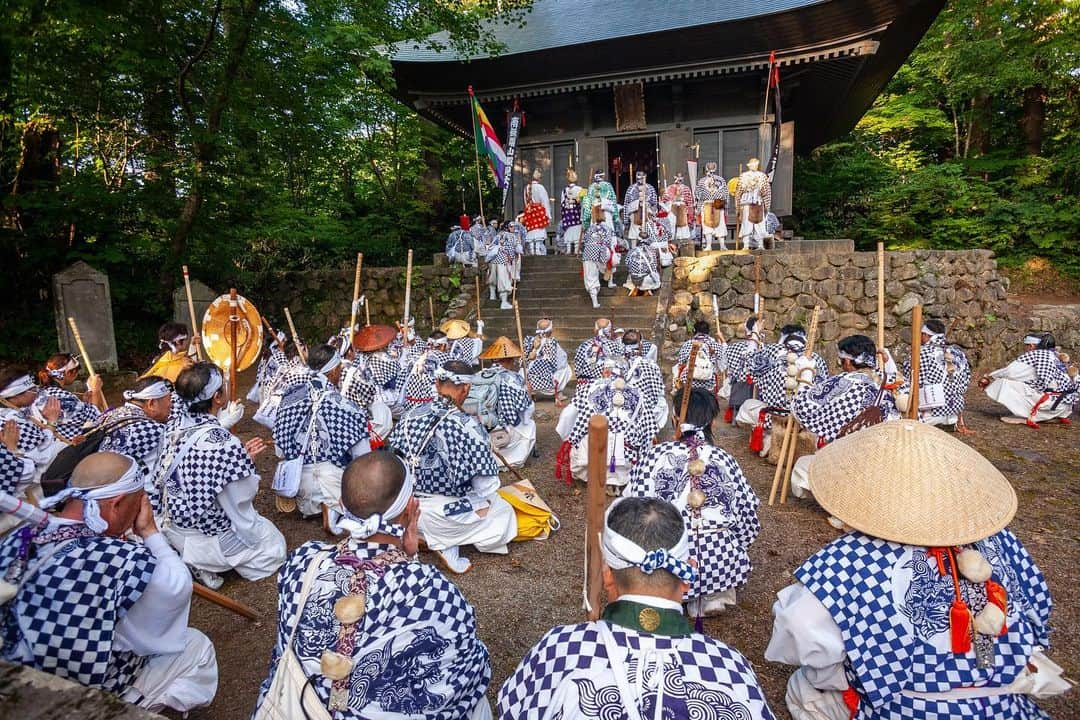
x=483 y=487
x=804 y=634
x=157 y=623
x=235 y=499
x=567 y=418
x=45 y=453
x=361 y=448
x=1021 y=372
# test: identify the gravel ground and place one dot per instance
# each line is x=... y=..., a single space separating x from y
x=518 y=597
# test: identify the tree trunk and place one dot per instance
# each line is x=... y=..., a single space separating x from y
x=1034 y=118
x=981 y=120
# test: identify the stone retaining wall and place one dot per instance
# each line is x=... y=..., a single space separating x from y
x=962 y=288
x=319 y=300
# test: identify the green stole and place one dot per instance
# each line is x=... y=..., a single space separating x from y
x=647 y=619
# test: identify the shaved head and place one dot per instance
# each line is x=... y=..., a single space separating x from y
x=100 y=469
x=371 y=482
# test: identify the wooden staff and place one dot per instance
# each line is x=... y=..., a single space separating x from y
x=880 y=296
x=408 y=289
x=224 y=601
x=191 y=314
x=478 y=320
x=791 y=429
x=234 y=322
x=758 y=309
x=431 y=311
x=916 y=351
x=295 y=338
x=367 y=314
x=687 y=387
x=521 y=346
x=355 y=295
x=594 y=514
x=273 y=333
x=85 y=356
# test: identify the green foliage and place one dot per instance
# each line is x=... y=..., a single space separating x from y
x=946 y=157
x=244 y=138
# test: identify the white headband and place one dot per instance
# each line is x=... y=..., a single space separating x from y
x=1028 y=340
x=864 y=359
x=17 y=387
x=547 y=330
x=330 y=364
x=342 y=520
x=621 y=553
x=130 y=482
x=444 y=375
x=157 y=390
x=72 y=364
x=931 y=333
x=212 y=386
x=171 y=343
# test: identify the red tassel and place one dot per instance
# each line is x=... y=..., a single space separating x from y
x=729 y=414
x=757 y=435
x=996 y=594
x=562 y=463
x=939 y=555
x=960 y=627
x=851 y=700
x=376 y=442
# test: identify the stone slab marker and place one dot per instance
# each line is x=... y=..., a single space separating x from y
x=201 y=296
x=83 y=293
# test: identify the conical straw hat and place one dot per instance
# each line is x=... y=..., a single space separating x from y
x=501 y=349
x=911 y=483
x=455 y=329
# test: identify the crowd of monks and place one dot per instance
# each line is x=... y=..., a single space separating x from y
x=924 y=607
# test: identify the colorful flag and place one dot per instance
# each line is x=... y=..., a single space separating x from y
x=487 y=142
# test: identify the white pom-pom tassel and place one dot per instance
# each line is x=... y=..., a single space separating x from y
x=791 y=358
x=989 y=620
x=7 y=591
x=973 y=566
x=790 y=383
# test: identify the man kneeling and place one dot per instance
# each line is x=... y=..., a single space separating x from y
x=457 y=476
x=374 y=632
x=99 y=610
x=642 y=660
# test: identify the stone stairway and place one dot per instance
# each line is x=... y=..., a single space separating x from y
x=551 y=285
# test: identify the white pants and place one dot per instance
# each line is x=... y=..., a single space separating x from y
x=180 y=681
x=320 y=484
x=579 y=461
x=662 y=414
x=500 y=277
x=592 y=275
x=632 y=238
x=490 y=533
x=649 y=282
x=806 y=702
x=800 y=477
x=252 y=563
x=522 y=442
x=710 y=604
x=748 y=412
x=752 y=234
x=1020 y=398
x=572 y=239
x=382 y=420
x=536 y=242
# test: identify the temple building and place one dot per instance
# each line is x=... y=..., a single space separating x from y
x=609 y=84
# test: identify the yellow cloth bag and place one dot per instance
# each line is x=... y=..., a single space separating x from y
x=535 y=520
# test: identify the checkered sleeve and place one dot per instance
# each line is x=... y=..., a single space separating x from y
x=11 y=470
x=528 y=693
x=1032 y=583
x=512 y=403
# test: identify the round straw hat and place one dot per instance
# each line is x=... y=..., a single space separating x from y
x=373 y=337
x=501 y=349
x=911 y=483
x=455 y=329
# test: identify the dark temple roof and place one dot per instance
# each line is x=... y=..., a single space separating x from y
x=840 y=53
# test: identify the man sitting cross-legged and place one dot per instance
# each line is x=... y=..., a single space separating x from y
x=457 y=476
x=376 y=633
x=642 y=660
x=100 y=610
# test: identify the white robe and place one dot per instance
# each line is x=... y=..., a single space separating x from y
x=1009 y=387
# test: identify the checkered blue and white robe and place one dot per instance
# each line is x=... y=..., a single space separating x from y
x=720 y=540
x=513 y=399
x=63 y=617
x=946 y=365
x=568 y=676
x=892 y=607
x=598 y=245
x=456 y=452
x=32 y=437
x=550 y=358
x=417 y=652
x=633 y=421
x=140 y=437
x=11 y=471
x=460 y=247
x=75 y=415
x=646 y=376
x=382 y=370
x=356 y=387
x=339 y=425
x=768 y=368
x=272 y=363
x=828 y=405
x=590 y=356
x=738 y=354
x=216 y=459
x=506 y=248
x=420 y=385
x=466 y=349
x=643 y=266
x=1051 y=374
x=717 y=350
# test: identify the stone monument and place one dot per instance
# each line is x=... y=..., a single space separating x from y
x=83 y=293
x=201 y=297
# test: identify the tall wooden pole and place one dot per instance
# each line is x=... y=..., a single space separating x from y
x=408 y=291
x=916 y=360
x=880 y=296
x=295 y=338
x=191 y=314
x=234 y=322
x=594 y=513
x=521 y=346
x=476 y=152
x=355 y=296
x=687 y=387
x=478 y=318
x=85 y=357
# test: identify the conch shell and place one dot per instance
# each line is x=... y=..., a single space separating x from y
x=334 y=665
x=350 y=609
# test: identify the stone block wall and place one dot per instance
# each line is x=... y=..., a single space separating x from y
x=319 y=300
x=962 y=288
